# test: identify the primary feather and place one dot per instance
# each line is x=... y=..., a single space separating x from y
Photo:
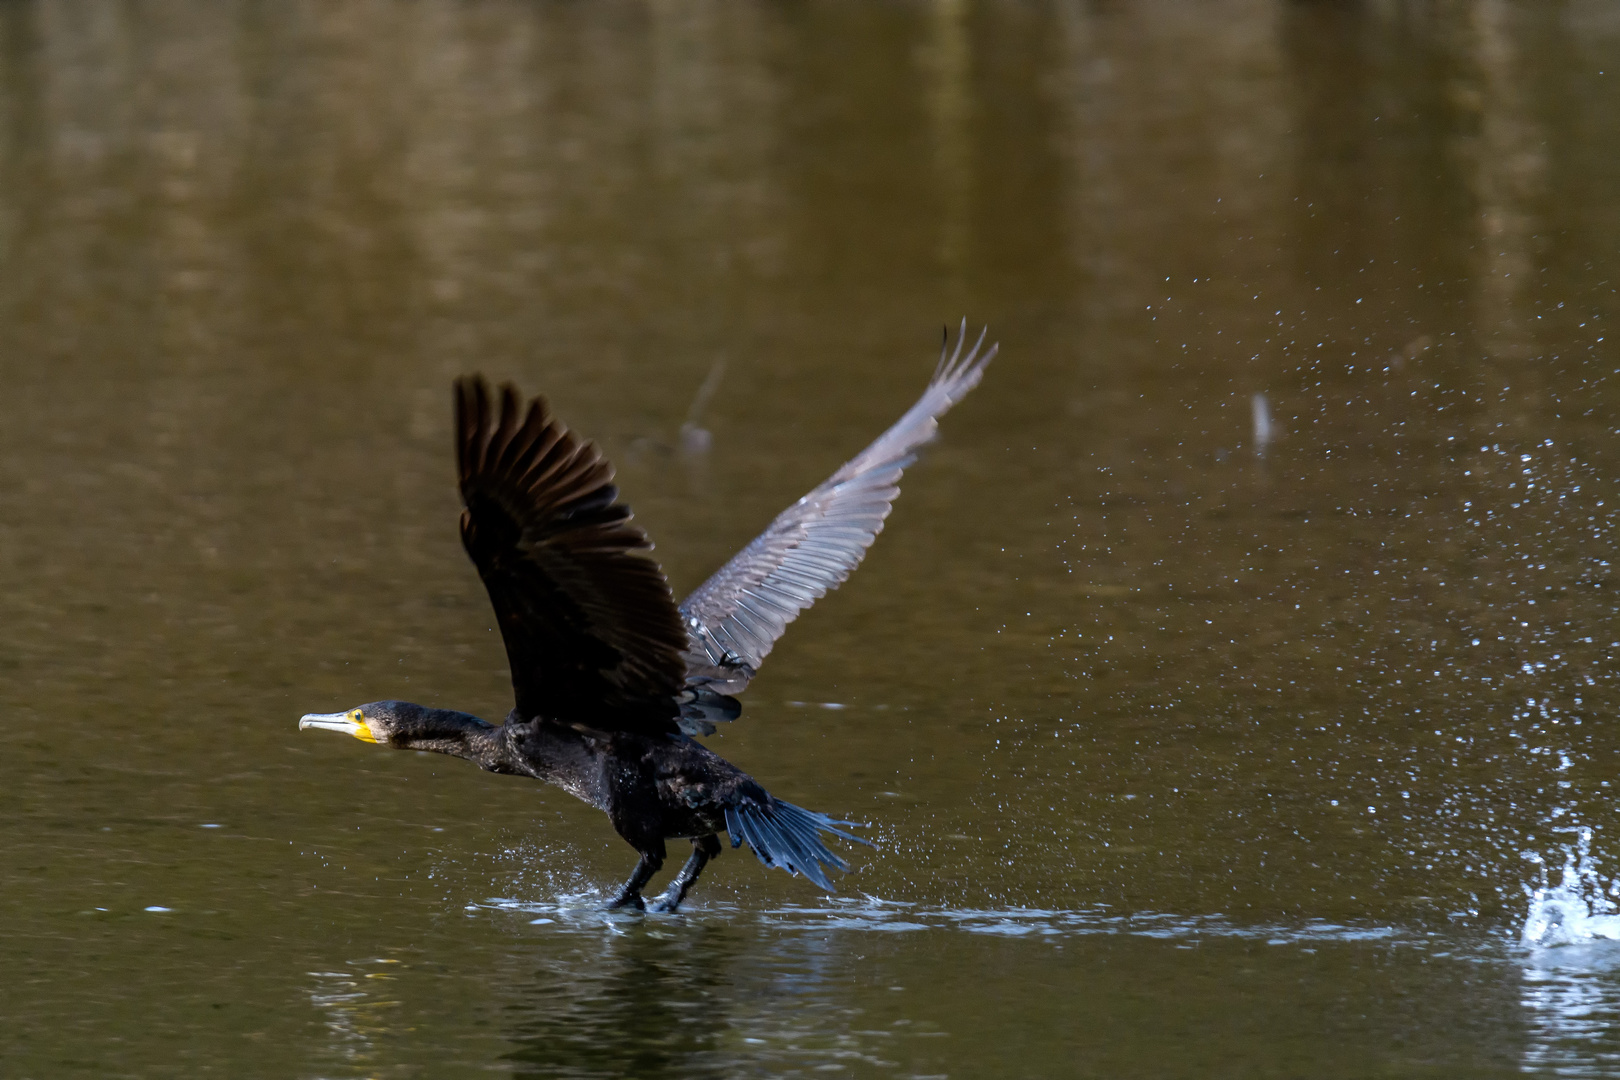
x=591 y=629
x=735 y=618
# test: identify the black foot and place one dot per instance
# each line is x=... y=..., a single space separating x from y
x=667 y=904
x=633 y=900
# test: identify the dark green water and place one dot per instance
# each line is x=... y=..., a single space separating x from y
x=1198 y=746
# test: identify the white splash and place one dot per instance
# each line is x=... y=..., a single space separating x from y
x=1579 y=909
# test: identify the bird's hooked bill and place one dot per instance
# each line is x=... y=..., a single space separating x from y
x=349 y=723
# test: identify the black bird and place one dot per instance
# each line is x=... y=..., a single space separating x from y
x=612 y=680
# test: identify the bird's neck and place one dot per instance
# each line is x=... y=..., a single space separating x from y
x=555 y=753
x=459 y=734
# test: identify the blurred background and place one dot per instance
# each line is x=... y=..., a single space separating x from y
x=1231 y=692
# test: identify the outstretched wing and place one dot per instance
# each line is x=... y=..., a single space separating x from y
x=591 y=628
x=735 y=617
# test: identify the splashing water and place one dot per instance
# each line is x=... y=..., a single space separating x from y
x=1580 y=908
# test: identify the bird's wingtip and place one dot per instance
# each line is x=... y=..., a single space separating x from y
x=962 y=373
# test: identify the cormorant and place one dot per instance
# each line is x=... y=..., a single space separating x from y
x=611 y=678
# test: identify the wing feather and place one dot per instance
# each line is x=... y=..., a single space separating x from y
x=735 y=618
x=591 y=629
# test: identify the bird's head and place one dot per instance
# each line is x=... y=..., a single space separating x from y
x=401 y=724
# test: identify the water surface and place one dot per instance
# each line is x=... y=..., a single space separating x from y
x=1229 y=678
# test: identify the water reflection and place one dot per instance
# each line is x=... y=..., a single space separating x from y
x=713 y=993
x=1571 y=1001
x=725 y=990
x=637 y=1003
x=352 y=1015
x=948 y=65
x=1506 y=152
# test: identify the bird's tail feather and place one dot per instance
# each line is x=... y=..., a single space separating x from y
x=788 y=836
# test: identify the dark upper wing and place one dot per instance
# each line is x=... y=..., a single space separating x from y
x=735 y=617
x=591 y=629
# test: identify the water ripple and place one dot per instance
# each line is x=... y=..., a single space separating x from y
x=870 y=914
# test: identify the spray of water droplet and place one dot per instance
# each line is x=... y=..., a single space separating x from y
x=1580 y=908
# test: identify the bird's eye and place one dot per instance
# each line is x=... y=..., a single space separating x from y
x=357 y=716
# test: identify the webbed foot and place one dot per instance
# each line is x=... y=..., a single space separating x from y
x=704 y=848
x=630 y=892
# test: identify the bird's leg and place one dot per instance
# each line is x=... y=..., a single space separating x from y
x=630 y=895
x=704 y=848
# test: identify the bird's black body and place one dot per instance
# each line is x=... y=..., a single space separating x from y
x=652 y=787
x=612 y=680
